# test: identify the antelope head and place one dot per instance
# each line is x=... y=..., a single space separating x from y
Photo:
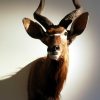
x=57 y=37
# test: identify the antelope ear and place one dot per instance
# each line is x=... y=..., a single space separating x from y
x=33 y=29
x=79 y=24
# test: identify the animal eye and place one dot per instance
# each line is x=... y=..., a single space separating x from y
x=65 y=33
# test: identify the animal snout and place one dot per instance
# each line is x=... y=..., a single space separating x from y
x=53 y=48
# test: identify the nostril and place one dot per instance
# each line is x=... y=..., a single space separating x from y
x=53 y=48
x=56 y=47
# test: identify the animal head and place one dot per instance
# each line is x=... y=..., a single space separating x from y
x=56 y=37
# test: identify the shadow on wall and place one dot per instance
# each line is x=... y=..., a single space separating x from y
x=15 y=88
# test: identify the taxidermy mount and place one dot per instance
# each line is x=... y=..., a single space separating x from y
x=47 y=74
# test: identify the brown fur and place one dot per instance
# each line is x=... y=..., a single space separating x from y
x=48 y=74
x=47 y=77
x=55 y=29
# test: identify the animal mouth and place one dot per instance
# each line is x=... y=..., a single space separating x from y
x=53 y=53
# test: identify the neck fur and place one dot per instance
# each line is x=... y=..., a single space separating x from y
x=57 y=72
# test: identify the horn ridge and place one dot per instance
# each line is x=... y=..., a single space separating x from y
x=76 y=4
x=69 y=18
x=42 y=19
x=40 y=7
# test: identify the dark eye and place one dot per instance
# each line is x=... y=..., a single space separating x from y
x=65 y=33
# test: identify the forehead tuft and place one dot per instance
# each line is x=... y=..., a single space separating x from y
x=55 y=30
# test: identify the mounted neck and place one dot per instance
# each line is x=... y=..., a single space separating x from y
x=56 y=74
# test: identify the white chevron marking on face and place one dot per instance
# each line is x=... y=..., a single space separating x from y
x=56 y=54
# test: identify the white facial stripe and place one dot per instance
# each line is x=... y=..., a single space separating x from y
x=61 y=34
x=58 y=34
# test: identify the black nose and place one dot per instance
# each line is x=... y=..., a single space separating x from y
x=53 y=48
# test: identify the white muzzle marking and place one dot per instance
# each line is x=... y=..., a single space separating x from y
x=54 y=55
